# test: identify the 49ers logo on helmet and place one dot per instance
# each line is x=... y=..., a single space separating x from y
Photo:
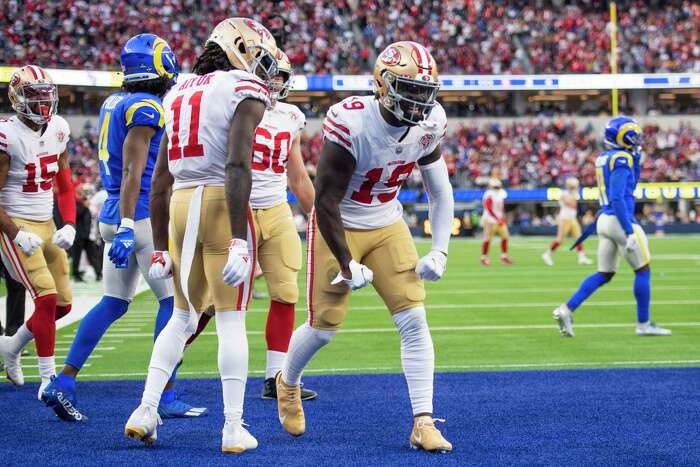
x=14 y=81
x=259 y=28
x=391 y=56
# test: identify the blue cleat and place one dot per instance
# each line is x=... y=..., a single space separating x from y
x=62 y=402
x=177 y=408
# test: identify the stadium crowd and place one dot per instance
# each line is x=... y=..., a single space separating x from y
x=525 y=155
x=341 y=36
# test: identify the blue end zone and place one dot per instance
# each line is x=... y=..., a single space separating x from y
x=585 y=417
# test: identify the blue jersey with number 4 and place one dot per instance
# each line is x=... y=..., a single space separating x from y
x=119 y=113
x=605 y=164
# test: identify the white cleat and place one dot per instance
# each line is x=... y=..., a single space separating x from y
x=565 y=318
x=13 y=364
x=651 y=329
x=143 y=425
x=547 y=258
x=583 y=259
x=235 y=438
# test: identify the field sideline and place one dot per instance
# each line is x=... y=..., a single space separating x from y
x=483 y=319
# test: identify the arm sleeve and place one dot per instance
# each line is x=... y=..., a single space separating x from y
x=65 y=195
x=440 y=202
x=488 y=205
x=145 y=112
x=618 y=181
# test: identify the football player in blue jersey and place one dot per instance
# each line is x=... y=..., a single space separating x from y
x=130 y=129
x=617 y=171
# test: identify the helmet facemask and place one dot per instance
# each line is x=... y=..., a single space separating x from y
x=36 y=102
x=264 y=65
x=280 y=85
x=409 y=100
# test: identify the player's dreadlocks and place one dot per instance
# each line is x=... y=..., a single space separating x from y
x=212 y=59
x=157 y=87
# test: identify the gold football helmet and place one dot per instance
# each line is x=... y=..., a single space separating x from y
x=33 y=94
x=495 y=183
x=248 y=45
x=572 y=183
x=280 y=84
x=406 y=81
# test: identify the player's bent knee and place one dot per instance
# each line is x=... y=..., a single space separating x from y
x=322 y=334
x=285 y=293
x=608 y=276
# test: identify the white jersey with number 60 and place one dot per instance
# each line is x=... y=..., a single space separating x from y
x=382 y=161
x=198 y=116
x=28 y=191
x=271 y=148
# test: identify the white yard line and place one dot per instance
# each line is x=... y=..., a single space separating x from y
x=486 y=366
x=495 y=327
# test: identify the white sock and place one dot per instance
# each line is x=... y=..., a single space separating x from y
x=47 y=367
x=233 y=362
x=20 y=339
x=417 y=358
x=275 y=360
x=304 y=344
x=167 y=352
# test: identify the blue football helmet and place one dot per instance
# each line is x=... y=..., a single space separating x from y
x=623 y=133
x=147 y=56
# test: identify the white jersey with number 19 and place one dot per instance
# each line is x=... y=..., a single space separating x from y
x=383 y=162
x=198 y=115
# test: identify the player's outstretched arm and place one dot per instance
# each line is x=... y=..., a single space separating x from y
x=298 y=178
x=441 y=212
x=161 y=188
x=333 y=174
x=27 y=241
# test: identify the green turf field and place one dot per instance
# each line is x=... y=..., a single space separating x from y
x=496 y=318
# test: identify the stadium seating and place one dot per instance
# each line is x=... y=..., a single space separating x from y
x=528 y=155
x=342 y=36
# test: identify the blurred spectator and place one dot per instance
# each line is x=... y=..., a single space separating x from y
x=342 y=36
x=82 y=241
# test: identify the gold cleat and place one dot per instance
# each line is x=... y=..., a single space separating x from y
x=425 y=436
x=289 y=408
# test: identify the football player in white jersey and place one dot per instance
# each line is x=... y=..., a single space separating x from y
x=357 y=235
x=34 y=159
x=277 y=164
x=567 y=223
x=204 y=160
x=493 y=221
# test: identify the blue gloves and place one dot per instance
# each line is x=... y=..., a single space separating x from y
x=123 y=244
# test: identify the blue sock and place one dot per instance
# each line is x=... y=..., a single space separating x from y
x=587 y=287
x=165 y=311
x=93 y=327
x=167 y=396
x=642 y=292
x=66 y=382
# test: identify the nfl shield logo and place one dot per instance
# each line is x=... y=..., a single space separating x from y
x=426 y=140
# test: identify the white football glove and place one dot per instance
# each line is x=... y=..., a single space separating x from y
x=27 y=242
x=361 y=276
x=239 y=263
x=161 y=266
x=431 y=267
x=64 y=237
x=632 y=243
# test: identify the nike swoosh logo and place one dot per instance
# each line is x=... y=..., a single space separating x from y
x=282 y=419
x=150 y=115
x=419 y=438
